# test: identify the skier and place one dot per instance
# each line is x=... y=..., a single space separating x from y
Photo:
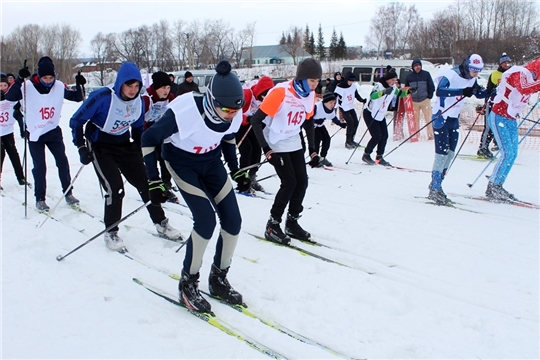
x=43 y=101
x=452 y=86
x=513 y=93
x=324 y=110
x=286 y=107
x=7 y=140
x=346 y=91
x=157 y=98
x=250 y=150
x=494 y=78
x=108 y=114
x=201 y=128
x=382 y=95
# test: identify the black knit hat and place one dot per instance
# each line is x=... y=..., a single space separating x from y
x=391 y=74
x=415 y=62
x=225 y=88
x=160 y=79
x=3 y=78
x=308 y=69
x=188 y=74
x=328 y=97
x=45 y=67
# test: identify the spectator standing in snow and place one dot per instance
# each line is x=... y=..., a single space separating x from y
x=107 y=116
x=324 y=110
x=188 y=85
x=201 y=128
x=43 y=99
x=452 y=86
x=337 y=79
x=174 y=85
x=7 y=140
x=346 y=92
x=157 y=98
x=286 y=107
x=513 y=93
x=422 y=81
x=494 y=79
x=249 y=147
x=384 y=92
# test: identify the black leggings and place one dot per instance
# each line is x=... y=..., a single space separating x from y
x=379 y=134
x=322 y=136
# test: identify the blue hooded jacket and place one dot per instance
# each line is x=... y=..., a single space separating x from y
x=96 y=108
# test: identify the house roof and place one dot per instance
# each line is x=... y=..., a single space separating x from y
x=273 y=51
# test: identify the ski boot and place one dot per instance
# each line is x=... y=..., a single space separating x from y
x=380 y=160
x=274 y=233
x=367 y=159
x=294 y=230
x=113 y=241
x=219 y=286
x=190 y=295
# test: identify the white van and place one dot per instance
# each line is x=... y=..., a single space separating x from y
x=368 y=72
x=200 y=77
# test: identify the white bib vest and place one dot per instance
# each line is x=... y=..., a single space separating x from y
x=6 y=117
x=43 y=111
x=378 y=107
x=456 y=82
x=321 y=114
x=155 y=110
x=288 y=119
x=347 y=97
x=514 y=100
x=193 y=135
x=121 y=114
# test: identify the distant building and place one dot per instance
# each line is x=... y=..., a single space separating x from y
x=270 y=54
x=89 y=65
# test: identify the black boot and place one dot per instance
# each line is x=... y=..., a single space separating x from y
x=367 y=159
x=380 y=160
x=219 y=286
x=274 y=233
x=293 y=229
x=496 y=192
x=190 y=295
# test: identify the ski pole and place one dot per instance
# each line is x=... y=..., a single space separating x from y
x=423 y=127
x=470 y=185
x=63 y=195
x=60 y=257
x=335 y=132
x=243 y=137
x=25 y=150
x=465 y=139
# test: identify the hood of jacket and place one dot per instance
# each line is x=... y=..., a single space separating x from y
x=265 y=83
x=128 y=71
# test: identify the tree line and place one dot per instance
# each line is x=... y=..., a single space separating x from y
x=487 y=27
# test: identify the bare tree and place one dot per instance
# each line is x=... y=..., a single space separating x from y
x=102 y=46
x=25 y=42
x=291 y=42
x=179 y=39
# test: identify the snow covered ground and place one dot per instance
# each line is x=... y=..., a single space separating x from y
x=448 y=283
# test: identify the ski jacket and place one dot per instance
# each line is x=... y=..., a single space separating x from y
x=514 y=91
x=193 y=136
x=186 y=87
x=97 y=111
x=423 y=82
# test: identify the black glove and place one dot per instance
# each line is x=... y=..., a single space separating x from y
x=24 y=73
x=272 y=157
x=79 y=79
x=314 y=162
x=413 y=90
x=343 y=125
x=388 y=90
x=242 y=180
x=157 y=191
x=85 y=155
x=468 y=91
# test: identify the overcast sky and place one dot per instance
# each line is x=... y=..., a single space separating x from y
x=272 y=17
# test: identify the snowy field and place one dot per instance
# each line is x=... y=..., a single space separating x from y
x=445 y=284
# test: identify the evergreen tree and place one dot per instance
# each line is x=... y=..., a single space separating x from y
x=332 y=49
x=306 y=44
x=312 y=45
x=341 y=52
x=321 y=51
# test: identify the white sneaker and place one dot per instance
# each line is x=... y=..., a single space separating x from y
x=167 y=231
x=113 y=241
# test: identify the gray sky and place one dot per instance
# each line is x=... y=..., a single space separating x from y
x=272 y=17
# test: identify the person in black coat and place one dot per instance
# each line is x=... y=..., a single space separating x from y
x=187 y=85
x=174 y=86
